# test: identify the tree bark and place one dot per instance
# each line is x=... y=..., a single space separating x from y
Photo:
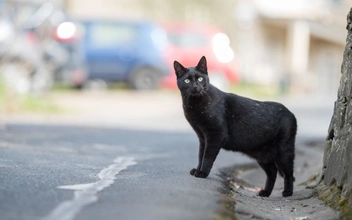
x=336 y=187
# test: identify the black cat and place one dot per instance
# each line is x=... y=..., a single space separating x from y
x=265 y=131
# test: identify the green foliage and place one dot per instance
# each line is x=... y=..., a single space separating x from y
x=332 y=196
x=39 y=105
x=2 y=91
x=255 y=91
x=11 y=103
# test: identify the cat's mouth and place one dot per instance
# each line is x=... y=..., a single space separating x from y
x=197 y=93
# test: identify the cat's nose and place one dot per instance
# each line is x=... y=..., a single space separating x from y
x=195 y=88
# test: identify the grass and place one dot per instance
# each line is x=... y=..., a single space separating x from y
x=256 y=91
x=62 y=87
x=332 y=196
x=39 y=105
x=11 y=103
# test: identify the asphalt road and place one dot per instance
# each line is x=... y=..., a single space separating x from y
x=35 y=160
x=130 y=159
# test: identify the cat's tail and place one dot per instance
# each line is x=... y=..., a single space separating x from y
x=281 y=173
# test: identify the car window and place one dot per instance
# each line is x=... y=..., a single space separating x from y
x=187 y=40
x=107 y=35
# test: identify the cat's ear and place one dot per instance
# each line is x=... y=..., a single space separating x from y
x=179 y=69
x=202 y=65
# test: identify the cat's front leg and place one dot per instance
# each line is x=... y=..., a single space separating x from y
x=210 y=153
x=200 y=157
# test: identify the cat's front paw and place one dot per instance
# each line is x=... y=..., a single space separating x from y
x=287 y=193
x=193 y=171
x=264 y=193
x=200 y=174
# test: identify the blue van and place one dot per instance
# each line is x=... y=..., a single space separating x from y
x=125 y=51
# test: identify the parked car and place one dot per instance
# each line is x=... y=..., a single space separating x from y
x=125 y=51
x=187 y=43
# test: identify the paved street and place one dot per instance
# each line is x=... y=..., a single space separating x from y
x=118 y=156
x=36 y=160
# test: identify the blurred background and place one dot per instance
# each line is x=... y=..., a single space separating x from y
x=57 y=54
x=109 y=63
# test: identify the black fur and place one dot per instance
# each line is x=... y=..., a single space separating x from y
x=265 y=131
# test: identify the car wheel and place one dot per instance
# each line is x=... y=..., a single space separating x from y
x=144 y=79
x=219 y=80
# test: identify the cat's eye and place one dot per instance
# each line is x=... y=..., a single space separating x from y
x=200 y=79
x=187 y=81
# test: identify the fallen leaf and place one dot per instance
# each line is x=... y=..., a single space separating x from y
x=301 y=218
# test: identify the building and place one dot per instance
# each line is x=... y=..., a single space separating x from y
x=296 y=44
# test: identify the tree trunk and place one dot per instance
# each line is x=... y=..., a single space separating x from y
x=336 y=187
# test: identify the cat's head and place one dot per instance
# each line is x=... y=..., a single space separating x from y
x=193 y=81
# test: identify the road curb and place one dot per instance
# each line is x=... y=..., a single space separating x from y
x=246 y=179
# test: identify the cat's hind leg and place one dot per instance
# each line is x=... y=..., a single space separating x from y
x=286 y=155
x=286 y=166
x=271 y=173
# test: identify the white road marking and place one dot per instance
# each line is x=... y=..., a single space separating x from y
x=85 y=194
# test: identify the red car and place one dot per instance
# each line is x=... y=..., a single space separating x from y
x=189 y=42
